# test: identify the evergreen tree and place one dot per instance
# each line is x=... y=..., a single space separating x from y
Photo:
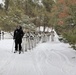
x=6 y=4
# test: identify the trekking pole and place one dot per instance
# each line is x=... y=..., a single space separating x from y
x=12 y=46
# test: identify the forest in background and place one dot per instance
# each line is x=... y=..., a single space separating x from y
x=59 y=14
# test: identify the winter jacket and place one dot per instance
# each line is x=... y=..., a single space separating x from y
x=18 y=34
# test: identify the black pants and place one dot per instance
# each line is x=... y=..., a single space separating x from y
x=18 y=46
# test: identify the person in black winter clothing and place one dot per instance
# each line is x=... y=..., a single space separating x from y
x=18 y=35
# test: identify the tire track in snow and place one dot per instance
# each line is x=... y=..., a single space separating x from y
x=59 y=64
x=63 y=57
x=43 y=57
x=45 y=62
x=60 y=60
x=66 y=59
x=66 y=66
x=55 y=61
x=70 y=67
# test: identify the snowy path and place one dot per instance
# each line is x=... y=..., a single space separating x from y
x=56 y=62
x=51 y=58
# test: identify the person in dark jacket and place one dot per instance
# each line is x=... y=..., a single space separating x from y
x=18 y=35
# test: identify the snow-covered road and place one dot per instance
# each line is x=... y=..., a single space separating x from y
x=51 y=58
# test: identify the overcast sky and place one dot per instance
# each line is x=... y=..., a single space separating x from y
x=0 y=1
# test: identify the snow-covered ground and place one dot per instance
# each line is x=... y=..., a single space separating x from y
x=50 y=58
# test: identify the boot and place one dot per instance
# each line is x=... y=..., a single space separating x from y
x=19 y=52
x=15 y=51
